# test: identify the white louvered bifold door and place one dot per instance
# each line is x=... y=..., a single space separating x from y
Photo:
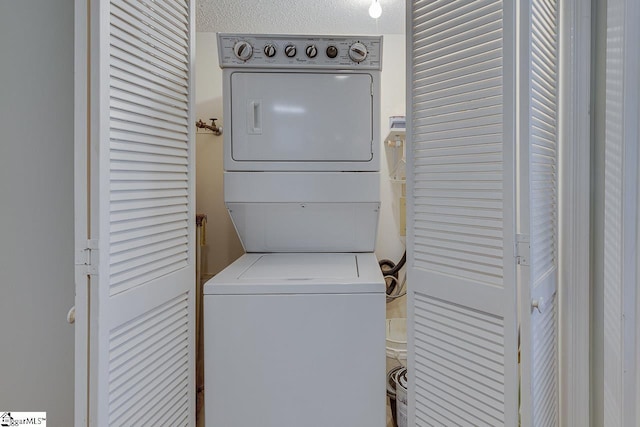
x=538 y=212
x=141 y=203
x=462 y=308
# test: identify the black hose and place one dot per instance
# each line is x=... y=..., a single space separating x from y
x=394 y=271
x=386 y=266
x=389 y=268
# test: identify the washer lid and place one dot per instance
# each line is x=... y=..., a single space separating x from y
x=299 y=273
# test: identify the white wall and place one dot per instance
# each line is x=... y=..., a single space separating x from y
x=36 y=207
x=223 y=245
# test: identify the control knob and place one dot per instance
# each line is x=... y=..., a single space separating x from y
x=243 y=50
x=358 y=52
x=332 y=51
x=312 y=51
x=290 y=51
x=270 y=50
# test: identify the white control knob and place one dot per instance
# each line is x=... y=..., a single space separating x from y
x=312 y=51
x=290 y=51
x=243 y=50
x=270 y=50
x=358 y=52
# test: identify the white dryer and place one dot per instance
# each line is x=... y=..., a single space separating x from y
x=295 y=329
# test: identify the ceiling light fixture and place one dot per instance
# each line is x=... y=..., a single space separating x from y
x=375 y=10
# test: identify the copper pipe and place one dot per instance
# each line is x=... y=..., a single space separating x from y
x=217 y=130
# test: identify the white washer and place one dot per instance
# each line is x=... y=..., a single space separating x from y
x=296 y=340
x=294 y=330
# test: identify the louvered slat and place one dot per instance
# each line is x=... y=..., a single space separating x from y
x=149 y=112
x=174 y=10
x=146 y=101
x=545 y=368
x=460 y=362
x=148 y=360
x=141 y=147
x=148 y=55
x=445 y=138
x=134 y=127
x=146 y=227
x=144 y=93
x=155 y=22
x=161 y=263
x=136 y=30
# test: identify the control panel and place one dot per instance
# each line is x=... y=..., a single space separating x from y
x=288 y=51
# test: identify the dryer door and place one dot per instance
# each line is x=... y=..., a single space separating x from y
x=301 y=118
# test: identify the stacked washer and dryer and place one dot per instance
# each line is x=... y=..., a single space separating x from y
x=295 y=328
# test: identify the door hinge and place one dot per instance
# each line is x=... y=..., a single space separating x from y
x=523 y=249
x=87 y=257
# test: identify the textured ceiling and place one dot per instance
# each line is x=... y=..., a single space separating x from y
x=299 y=16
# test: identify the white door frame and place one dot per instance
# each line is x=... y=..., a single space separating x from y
x=574 y=219
x=81 y=211
x=621 y=215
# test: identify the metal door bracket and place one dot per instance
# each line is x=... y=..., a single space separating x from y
x=523 y=249
x=88 y=257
